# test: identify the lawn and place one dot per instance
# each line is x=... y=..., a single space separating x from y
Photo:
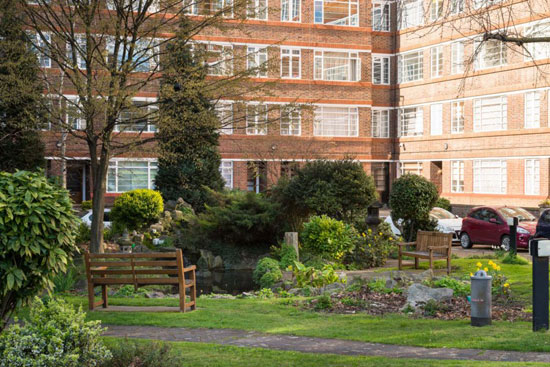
x=199 y=354
x=276 y=316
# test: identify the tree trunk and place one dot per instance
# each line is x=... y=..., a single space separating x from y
x=99 y=178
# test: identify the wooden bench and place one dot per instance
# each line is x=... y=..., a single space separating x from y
x=428 y=245
x=140 y=269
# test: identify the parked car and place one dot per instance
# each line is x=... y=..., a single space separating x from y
x=87 y=218
x=489 y=226
x=447 y=222
x=543 y=225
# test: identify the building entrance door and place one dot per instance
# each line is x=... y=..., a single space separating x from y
x=436 y=170
x=77 y=181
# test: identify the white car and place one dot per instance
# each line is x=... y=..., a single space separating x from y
x=87 y=218
x=447 y=222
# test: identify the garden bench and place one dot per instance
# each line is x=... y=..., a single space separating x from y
x=428 y=245
x=140 y=269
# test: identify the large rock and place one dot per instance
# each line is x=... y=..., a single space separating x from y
x=418 y=295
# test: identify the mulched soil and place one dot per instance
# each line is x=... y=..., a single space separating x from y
x=376 y=303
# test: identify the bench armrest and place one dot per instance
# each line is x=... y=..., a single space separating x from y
x=406 y=244
x=192 y=267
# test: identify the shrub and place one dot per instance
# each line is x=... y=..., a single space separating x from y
x=288 y=256
x=373 y=248
x=37 y=233
x=268 y=280
x=143 y=354
x=324 y=302
x=411 y=199
x=265 y=266
x=54 y=335
x=242 y=219
x=64 y=282
x=137 y=208
x=514 y=259
x=460 y=288
x=307 y=276
x=83 y=234
x=443 y=203
x=86 y=205
x=339 y=189
x=329 y=238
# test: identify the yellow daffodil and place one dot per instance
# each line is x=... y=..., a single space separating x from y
x=471 y=274
x=391 y=238
x=370 y=230
x=479 y=265
x=498 y=268
x=491 y=262
x=486 y=269
x=380 y=233
x=506 y=285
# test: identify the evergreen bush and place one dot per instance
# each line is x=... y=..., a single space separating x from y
x=137 y=208
x=328 y=238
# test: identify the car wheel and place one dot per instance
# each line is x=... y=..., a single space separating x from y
x=465 y=241
x=505 y=243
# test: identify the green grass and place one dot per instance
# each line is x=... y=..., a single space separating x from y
x=274 y=316
x=199 y=354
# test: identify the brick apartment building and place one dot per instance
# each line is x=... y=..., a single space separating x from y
x=380 y=91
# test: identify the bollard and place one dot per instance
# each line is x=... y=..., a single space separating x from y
x=480 y=298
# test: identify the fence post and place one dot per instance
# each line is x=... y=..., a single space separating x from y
x=291 y=238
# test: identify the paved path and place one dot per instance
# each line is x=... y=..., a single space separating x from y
x=241 y=338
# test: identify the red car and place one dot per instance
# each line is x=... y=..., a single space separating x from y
x=488 y=226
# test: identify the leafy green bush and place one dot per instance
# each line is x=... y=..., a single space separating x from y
x=142 y=354
x=37 y=233
x=307 y=276
x=86 y=205
x=241 y=218
x=339 y=189
x=323 y=302
x=83 y=234
x=137 y=208
x=54 y=335
x=460 y=288
x=64 y=282
x=267 y=272
x=443 y=203
x=288 y=256
x=412 y=197
x=373 y=248
x=328 y=238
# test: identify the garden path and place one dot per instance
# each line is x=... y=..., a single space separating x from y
x=250 y=339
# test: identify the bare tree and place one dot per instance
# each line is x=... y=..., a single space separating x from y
x=103 y=54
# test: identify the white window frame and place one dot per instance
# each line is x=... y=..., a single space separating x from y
x=290 y=121
x=153 y=7
x=152 y=166
x=532 y=110
x=291 y=11
x=72 y=103
x=457 y=57
x=418 y=123
x=257 y=59
x=410 y=13
x=190 y=7
x=457 y=117
x=382 y=8
x=496 y=183
x=436 y=119
x=256 y=120
x=482 y=49
x=457 y=7
x=457 y=176
x=223 y=66
x=381 y=65
x=414 y=61
x=149 y=52
x=43 y=59
x=537 y=50
x=224 y=110
x=349 y=118
x=80 y=52
x=481 y=105
x=532 y=177
x=380 y=123
x=290 y=55
x=352 y=20
x=322 y=71
x=226 y=171
x=414 y=168
x=150 y=128
x=436 y=61
x=256 y=10
x=436 y=9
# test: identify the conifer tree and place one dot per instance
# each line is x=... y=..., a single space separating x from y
x=21 y=98
x=188 y=135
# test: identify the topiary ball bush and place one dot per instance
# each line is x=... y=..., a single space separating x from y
x=264 y=266
x=37 y=237
x=328 y=238
x=137 y=209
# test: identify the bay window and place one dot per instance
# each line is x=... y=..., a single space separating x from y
x=490 y=176
x=381 y=70
x=411 y=13
x=411 y=66
x=126 y=175
x=336 y=121
x=337 y=66
x=337 y=12
x=490 y=114
x=380 y=123
x=411 y=121
x=140 y=117
x=381 y=17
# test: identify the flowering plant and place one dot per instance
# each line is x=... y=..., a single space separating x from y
x=500 y=285
x=372 y=248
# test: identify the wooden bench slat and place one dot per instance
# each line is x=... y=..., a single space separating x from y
x=429 y=245
x=137 y=271
x=116 y=281
x=121 y=264
x=140 y=255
